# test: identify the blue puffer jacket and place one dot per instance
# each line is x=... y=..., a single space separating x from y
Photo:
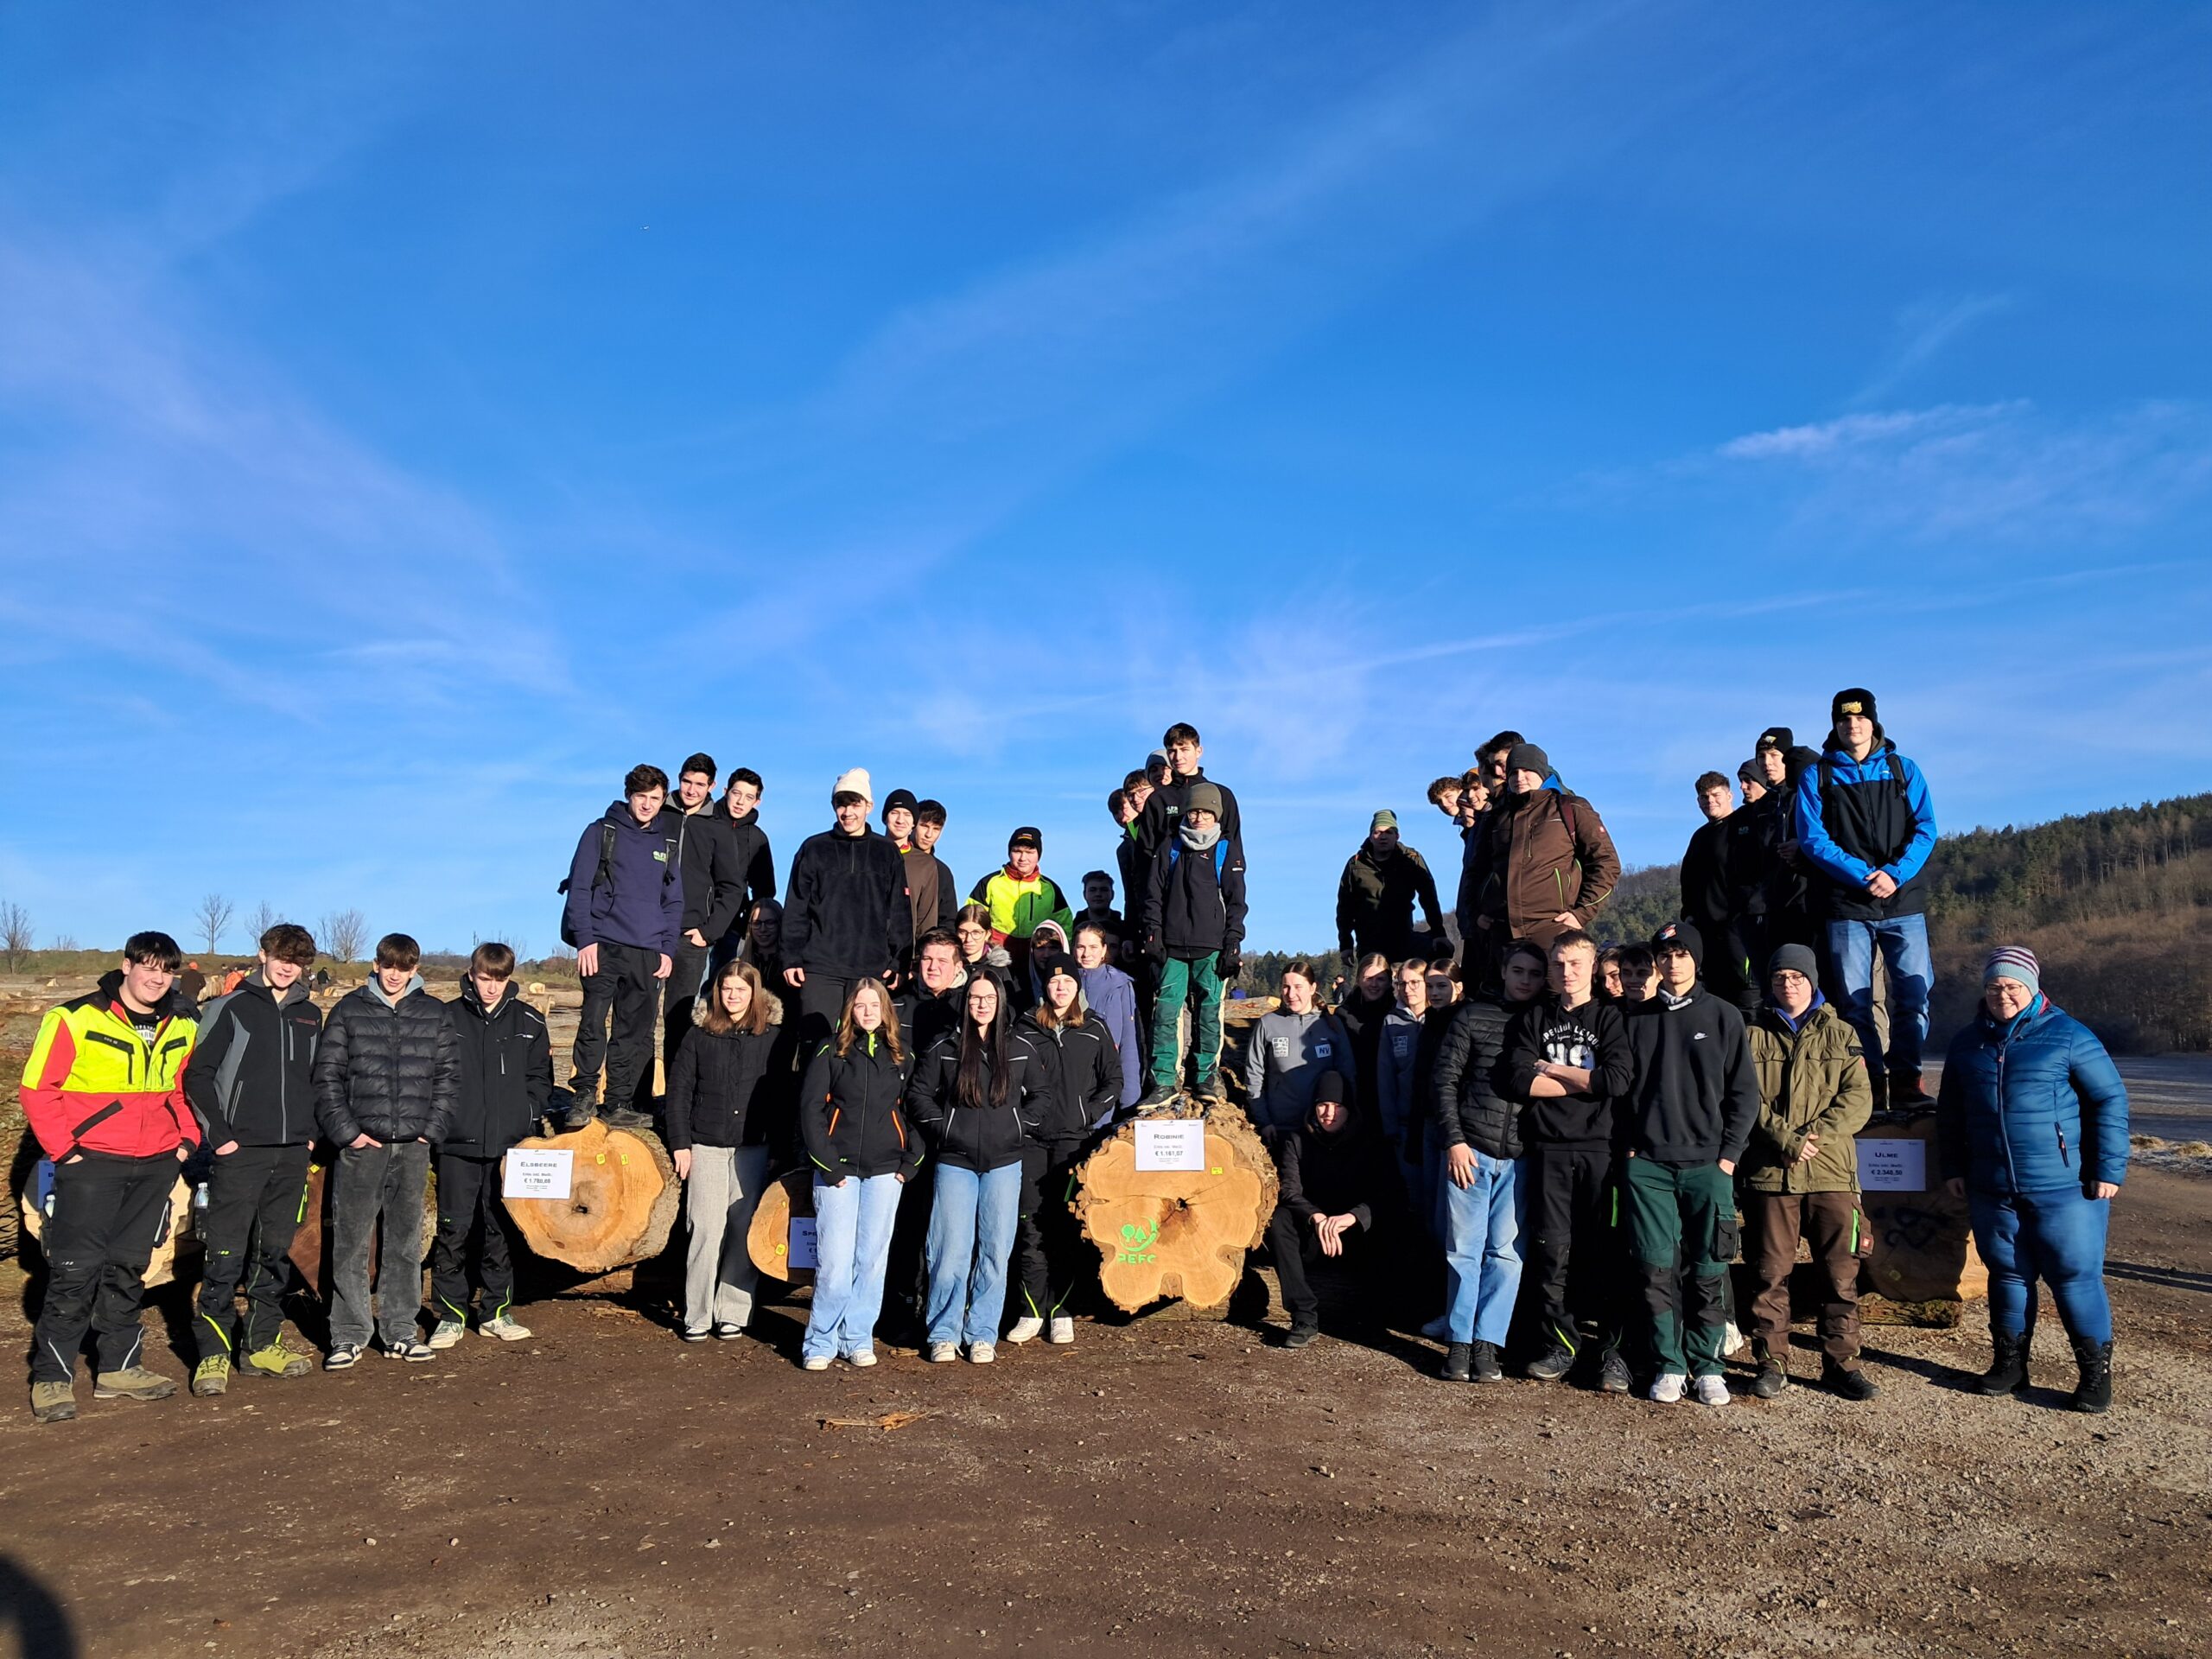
x=2033 y=1106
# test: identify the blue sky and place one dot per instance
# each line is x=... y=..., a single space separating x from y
x=410 y=417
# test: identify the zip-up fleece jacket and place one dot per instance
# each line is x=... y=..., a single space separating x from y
x=1284 y=1061
x=2034 y=1105
x=1591 y=1037
x=1812 y=1081
x=1017 y=906
x=728 y=1089
x=1084 y=1074
x=1324 y=1173
x=1163 y=811
x=847 y=913
x=1375 y=899
x=980 y=1138
x=1533 y=866
x=1695 y=1095
x=1705 y=879
x=252 y=1078
x=93 y=1084
x=641 y=902
x=1470 y=1087
x=713 y=869
x=1111 y=996
x=1873 y=816
x=851 y=1111
x=390 y=1070
x=505 y=1072
x=1194 y=902
x=754 y=857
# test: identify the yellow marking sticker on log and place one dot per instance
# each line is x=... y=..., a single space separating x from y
x=1217 y=1169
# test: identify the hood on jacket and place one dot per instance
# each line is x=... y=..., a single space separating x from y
x=170 y=1007
x=375 y=988
x=297 y=991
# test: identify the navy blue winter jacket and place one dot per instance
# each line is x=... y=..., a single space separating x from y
x=2034 y=1105
x=641 y=903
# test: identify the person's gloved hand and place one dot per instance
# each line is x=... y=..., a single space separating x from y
x=1155 y=950
x=1230 y=964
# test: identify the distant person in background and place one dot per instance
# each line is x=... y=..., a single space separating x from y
x=1018 y=896
x=624 y=916
x=251 y=1086
x=713 y=867
x=1376 y=893
x=846 y=913
x=1706 y=896
x=102 y=1092
x=2031 y=1125
x=190 y=984
x=1866 y=824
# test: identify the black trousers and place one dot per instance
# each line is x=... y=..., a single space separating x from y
x=474 y=1230
x=624 y=988
x=906 y=1272
x=820 y=1005
x=109 y=1212
x=257 y=1199
x=1577 y=1261
x=687 y=973
x=1296 y=1249
x=1050 y=1256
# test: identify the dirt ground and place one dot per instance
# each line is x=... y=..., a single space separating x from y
x=1161 y=1487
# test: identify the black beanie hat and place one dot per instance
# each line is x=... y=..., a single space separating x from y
x=1776 y=737
x=1854 y=700
x=898 y=797
x=1526 y=757
x=1027 y=836
x=1684 y=935
x=1330 y=1085
x=1049 y=964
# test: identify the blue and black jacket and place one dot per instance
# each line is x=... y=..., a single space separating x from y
x=2032 y=1104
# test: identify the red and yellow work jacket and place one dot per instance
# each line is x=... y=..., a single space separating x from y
x=94 y=1084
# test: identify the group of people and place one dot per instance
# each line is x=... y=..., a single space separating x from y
x=942 y=1068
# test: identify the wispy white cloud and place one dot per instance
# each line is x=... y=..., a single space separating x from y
x=1855 y=432
x=1924 y=329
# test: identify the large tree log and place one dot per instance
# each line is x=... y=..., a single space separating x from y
x=310 y=1251
x=1168 y=1234
x=1924 y=1265
x=768 y=1240
x=623 y=1196
x=177 y=1232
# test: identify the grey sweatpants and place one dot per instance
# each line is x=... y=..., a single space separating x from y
x=719 y=1201
x=369 y=1182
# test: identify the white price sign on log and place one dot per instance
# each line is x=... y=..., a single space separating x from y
x=537 y=1173
x=1172 y=1148
x=803 y=1253
x=1891 y=1163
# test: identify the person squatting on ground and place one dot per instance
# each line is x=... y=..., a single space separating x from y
x=731 y=1085
x=251 y=1087
x=852 y=1113
x=1799 y=1178
x=387 y=1078
x=103 y=1091
x=1332 y=1175
x=1193 y=929
x=506 y=1059
x=1083 y=1078
x=624 y=916
x=2031 y=1123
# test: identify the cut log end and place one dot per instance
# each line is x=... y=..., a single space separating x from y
x=768 y=1240
x=623 y=1196
x=1175 y=1235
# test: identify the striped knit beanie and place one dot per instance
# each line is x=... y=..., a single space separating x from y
x=2014 y=961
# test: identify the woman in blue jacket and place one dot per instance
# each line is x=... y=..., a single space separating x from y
x=2032 y=1124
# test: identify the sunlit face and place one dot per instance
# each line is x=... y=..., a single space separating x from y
x=983 y=1000
x=278 y=974
x=1329 y=1115
x=767 y=928
x=1855 y=732
x=145 y=983
x=693 y=788
x=1793 y=992
x=867 y=1008
x=645 y=804
x=1523 y=976
x=1090 y=951
x=394 y=980
x=1182 y=758
x=490 y=988
x=1023 y=862
x=1447 y=802
x=741 y=798
x=1476 y=799
x=1773 y=766
x=1137 y=797
x=898 y=823
x=1384 y=842
x=1613 y=978
x=1754 y=790
x=1298 y=992
x=1716 y=803
x=736 y=994
x=1525 y=782
x=1677 y=968
x=1061 y=991
x=852 y=813
x=1375 y=981
x=926 y=830
x=1571 y=969
x=939 y=965
x=973 y=936
x=1199 y=818
x=1412 y=990
x=2005 y=998
x=1441 y=990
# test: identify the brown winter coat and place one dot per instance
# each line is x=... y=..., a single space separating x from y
x=1811 y=1082
x=1533 y=865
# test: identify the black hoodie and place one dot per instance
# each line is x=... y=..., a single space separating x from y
x=506 y=1072
x=251 y=1079
x=714 y=870
x=1590 y=1036
x=754 y=857
x=1693 y=1097
x=847 y=913
x=1084 y=1069
x=1333 y=1173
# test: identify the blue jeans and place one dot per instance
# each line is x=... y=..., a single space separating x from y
x=1482 y=1262
x=971 y=1233
x=1903 y=941
x=852 y=1242
x=2058 y=1237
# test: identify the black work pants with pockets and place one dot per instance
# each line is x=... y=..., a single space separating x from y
x=471 y=1224
x=624 y=989
x=257 y=1199
x=1049 y=1255
x=1571 y=1241
x=109 y=1211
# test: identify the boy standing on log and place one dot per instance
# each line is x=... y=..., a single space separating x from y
x=623 y=916
x=1193 y=936
x=102 y=1092
x=1167 y=803
x=386 y=1080
x=251 y=1086
x=505 y=1077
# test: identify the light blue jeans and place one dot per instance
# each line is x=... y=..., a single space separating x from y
x=851 y=1243
x=1482 y=1259
x=1903 y=941
x=971 y=1235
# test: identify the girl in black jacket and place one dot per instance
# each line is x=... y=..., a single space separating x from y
x=852 y=1116
x=1084 y=1071
x=730 y=1084
x=979 y=1096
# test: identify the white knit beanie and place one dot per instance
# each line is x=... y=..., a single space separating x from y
x=854 y=782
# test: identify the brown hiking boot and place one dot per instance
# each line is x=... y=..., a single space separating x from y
x=132 y=1383
x=53 y=1403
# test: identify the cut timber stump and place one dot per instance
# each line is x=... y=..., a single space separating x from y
x=1169 y=1235
x=177 y=1232
x=623 y=1196
x=768 y=1240
x=1924 y=1265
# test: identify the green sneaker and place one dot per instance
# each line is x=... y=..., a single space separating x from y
x=132 y=1383
x=53 y=1403
x=212 y=1376
x=276 y=1360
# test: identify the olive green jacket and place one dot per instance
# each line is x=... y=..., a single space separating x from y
x=1812 y=1081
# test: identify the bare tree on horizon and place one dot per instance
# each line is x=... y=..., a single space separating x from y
x=14 y=933
x=213 y=917
x=341 y=934
x=260 y=920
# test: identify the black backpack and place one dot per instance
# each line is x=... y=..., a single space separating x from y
x=602 y=876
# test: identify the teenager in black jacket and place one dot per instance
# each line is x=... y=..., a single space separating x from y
x=846 y=915
x=980 y=1098
x=728 y=1092
x=251 y=1085
x=1194 y=936
x=1084 y=1070
x=507 y=1077
x=1334 y=1175
x=713 y=869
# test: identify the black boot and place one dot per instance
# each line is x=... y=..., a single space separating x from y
x=2008 y=1364
x=2094 y=1393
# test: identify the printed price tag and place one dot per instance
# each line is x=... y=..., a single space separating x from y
x=533 y=1172
x=802 y=1240
x=1888 y=1163
x=1179 y=1148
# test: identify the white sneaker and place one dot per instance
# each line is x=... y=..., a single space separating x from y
x=1438 y=1329
x=1024 y=1328
x=1712 y=1391
x=447 y=1333
x=860 y=1358
x=943 y=1353
x=504 y=1329
x=815 y=1362
x=1732 y=1340
x=1667 y=1387
x=1063 y=1329
x=981 y=1353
